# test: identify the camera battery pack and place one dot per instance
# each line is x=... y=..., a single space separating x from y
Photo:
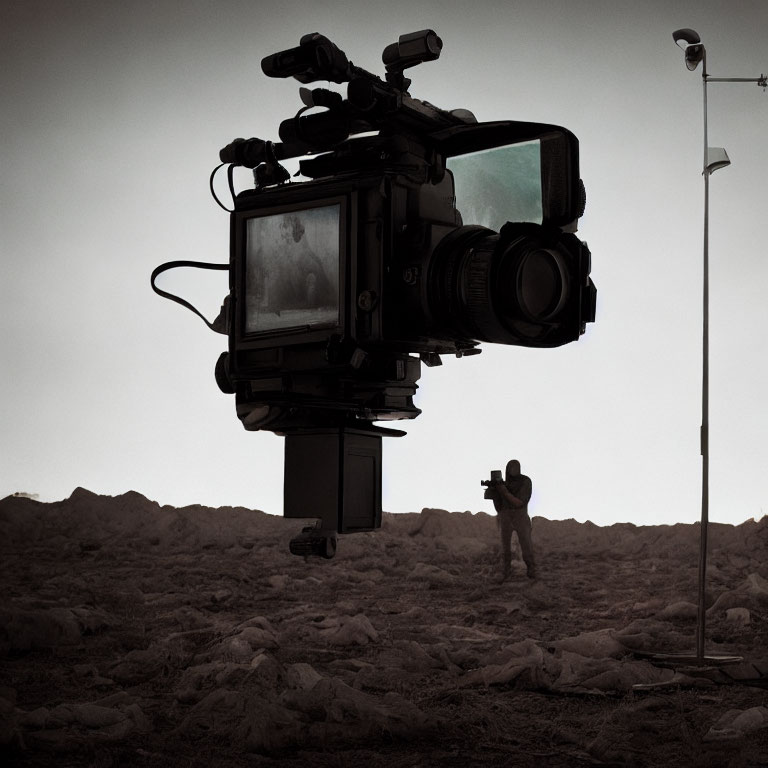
x=334 y=475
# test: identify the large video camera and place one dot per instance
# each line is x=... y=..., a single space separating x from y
x=420 y=233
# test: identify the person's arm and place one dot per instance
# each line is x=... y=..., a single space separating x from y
x=508 y=496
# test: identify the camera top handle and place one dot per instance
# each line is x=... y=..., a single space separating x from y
x=372 y=103
x=317 y=58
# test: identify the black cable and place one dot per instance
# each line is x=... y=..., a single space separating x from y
x=184 y=303
x=230 y=180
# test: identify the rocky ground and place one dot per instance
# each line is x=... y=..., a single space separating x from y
x=138 y=635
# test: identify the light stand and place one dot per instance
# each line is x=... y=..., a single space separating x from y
x=714 y=159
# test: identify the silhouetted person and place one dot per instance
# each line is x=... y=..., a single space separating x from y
x=510 y=498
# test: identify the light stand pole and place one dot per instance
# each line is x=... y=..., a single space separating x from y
x=714 y=158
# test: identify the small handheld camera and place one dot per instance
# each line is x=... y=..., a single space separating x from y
x=496 y=479
x=419 y=233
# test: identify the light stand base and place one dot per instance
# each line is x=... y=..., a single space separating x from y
x=684 y=663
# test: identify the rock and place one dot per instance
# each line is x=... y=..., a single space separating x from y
x=736 y=723
x=250 y=637
x=648 y=605
x=118 y=731
x=92 y=620
x=742 y=671
x=362 y=577
x=454 y=529
x=139 y=665
x=301 y=676
x=761 y=664
x=9 y=716
x=138 y=717
x=653 y=636
x=187 y=617
x=262 y=661
x=509 y=606
x=214 y=713
x=349 y=607
x=255 y=723
x=574 y=670
x=121 y=698
x=583 y=674
x=25 y=630
x=525 y=657
x=37 y=719
x=565 y=670
x=756 y=585
x=637 y=641
x=351 y=670
x=416 y=657
x=95 y=716
x=608 y=749
x=681 y=610
x=596 y=645
x=725 y=601
x=738 y=561
x=50 y=740
x=348 y=630
x=278 y=582
x=431 y=575
x=260 y=622
x=407 y=663
x=84 y=670
x=391 y=607
x=61 y=714
x=262 y=672
x=458 y=633
x=337 y=709
x=256 y=637
x=738 y=615
x=621 y=677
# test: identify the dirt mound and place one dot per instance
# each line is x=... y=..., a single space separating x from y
x=139 y=634
x=92 y=520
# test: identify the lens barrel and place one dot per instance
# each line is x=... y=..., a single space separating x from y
x=520 y=286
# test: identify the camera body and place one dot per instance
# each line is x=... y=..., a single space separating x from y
x=341 y=286
x=496 y=479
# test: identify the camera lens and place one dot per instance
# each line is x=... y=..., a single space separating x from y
x=520 y=287
x=541 y=284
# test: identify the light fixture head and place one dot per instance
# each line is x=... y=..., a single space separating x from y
x=717 y=158
x=690 y=36
x=694 y=50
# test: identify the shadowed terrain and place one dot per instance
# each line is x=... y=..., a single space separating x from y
x=134 y=634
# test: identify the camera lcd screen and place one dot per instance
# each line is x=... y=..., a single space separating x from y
x=292 y=264
x=499 y=185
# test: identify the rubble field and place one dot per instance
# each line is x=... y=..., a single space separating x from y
x=138 y=635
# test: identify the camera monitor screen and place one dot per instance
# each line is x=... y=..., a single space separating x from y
x=499 y=185
x=292 y=264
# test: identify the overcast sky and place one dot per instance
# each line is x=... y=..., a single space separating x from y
x=112 y=117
